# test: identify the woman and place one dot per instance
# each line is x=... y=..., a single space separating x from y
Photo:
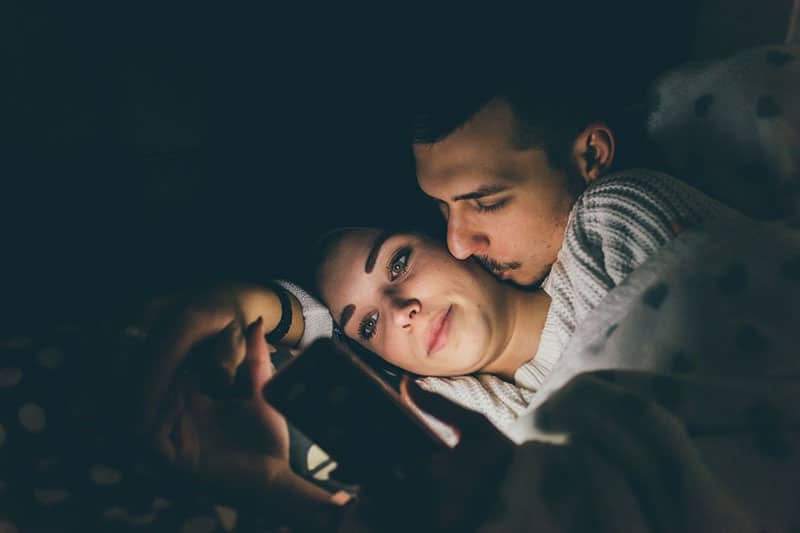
x=468 y=336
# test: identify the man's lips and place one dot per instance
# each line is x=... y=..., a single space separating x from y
x=501 y=270
x=440 y=331
x=502 y=274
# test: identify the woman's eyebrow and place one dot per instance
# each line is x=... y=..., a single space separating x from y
x=347 y=313
x=369 y=266
x=375 y=250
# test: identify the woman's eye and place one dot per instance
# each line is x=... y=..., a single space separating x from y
x=493 y=206
x=366 y=330
x=399 y=263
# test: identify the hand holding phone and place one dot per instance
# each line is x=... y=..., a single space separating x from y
x=344 y=406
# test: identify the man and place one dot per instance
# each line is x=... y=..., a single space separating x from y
x=507 y=164
x=527 y=184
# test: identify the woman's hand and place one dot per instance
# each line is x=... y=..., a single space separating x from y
x=220 y=361
x=276 y=432
x=211 y=353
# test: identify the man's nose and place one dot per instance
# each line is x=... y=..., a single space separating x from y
x=463 y=241
x=404 y=311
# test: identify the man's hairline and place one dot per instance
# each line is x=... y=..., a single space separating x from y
x=516 y=135
x=461 y=125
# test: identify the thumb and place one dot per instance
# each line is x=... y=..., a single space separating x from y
x=258 y=355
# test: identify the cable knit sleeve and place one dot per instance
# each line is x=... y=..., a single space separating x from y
x=623 y=219
x=616 y=224
x=318 y=321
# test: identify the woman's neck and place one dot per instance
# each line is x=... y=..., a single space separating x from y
x=528 y=311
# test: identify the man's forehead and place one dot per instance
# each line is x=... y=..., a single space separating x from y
x=447 y=182
x=459 y=151
x=455 y=165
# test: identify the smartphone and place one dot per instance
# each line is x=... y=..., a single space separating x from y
x=345 y=407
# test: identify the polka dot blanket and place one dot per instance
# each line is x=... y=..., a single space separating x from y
x=56 y=474
x=731 y=128
x=710 y=326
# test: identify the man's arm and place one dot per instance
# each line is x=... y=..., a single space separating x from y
x=623 y=219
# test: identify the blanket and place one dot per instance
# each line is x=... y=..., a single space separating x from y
x=731 y=128
x=707 y=329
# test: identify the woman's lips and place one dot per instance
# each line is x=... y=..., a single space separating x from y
x=440 y=332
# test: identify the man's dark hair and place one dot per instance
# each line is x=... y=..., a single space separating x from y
x=550 y=110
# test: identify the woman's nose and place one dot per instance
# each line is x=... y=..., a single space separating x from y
x=404 y=312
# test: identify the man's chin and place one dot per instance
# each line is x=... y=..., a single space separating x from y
x=522 y=281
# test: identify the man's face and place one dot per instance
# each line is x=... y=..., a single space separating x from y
x=405 y=298
x=504 y=205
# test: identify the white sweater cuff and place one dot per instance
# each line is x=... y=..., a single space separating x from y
x=318 y=321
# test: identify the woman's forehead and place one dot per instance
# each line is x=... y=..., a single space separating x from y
x=343 y=259
x=361 y=244
x=354 y=261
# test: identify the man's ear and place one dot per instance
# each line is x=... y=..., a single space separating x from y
x=593 y=151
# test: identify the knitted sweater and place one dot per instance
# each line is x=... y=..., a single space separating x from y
x=614 y=226
x=316 y=317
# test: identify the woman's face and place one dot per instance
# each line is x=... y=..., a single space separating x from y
x=407 y=299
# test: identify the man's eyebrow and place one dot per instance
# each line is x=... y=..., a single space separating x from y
x=375 y=250
x=480 y=192
x=347 y=313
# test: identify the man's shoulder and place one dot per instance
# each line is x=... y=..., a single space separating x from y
x=643 y=199
x=635 y=197
x=635 y=180
x=635 y=187
x=618 y=189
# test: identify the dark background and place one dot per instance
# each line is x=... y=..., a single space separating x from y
x=142 y=147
